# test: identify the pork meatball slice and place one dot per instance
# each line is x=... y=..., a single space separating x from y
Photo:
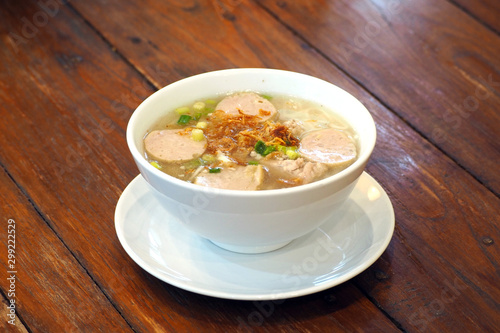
x=299 y=168
x=246 y=178
x=249 y=103
x=173 y=146
x=328 y=146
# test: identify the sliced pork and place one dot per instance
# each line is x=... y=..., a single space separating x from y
x=300 y=169
x=173 y=146
x=248 y=103
x=247 y=178
x=329 y=146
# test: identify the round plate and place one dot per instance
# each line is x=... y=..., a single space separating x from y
x=340 y=249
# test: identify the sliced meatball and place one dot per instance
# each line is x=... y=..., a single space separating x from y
x=299 y=168
x=329 y=146
x=172 y=146
x=249 y=103
x=246 y=178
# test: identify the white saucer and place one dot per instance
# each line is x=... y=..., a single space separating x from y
x=334 y=253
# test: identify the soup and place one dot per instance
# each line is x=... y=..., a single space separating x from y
x=251 y=141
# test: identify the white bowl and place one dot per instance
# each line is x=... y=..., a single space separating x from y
x=252 y=221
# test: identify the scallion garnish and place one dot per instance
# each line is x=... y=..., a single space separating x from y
x=214 y=170
x=262 y=149
x=268 y=150
x=155 y=164
x=184 y=119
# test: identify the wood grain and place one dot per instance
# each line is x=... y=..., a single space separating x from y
x=437 y=262
x=408 y=161
x=427 y=60
x=69 y=132
x=485 y=11
x=80 y=76
x=50 y=289
x=10 y=321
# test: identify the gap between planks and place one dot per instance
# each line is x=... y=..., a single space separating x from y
x=475 y=17
x=379 y=99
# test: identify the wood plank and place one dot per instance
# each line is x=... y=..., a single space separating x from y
x=47 y=287
x=427 y=60
x=10 y=320
x=69 y=147
x=486 y=11
x=429 y=191
x=426 y=278
x=65 y=117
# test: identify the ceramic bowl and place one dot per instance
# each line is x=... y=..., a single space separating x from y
x=252 y=221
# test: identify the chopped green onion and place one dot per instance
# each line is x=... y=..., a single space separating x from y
x=155 y=164
x=262 y=149
x=210 y=102
x=209 y=158
x=202 y=124
x=197 y=134
x=268 y=150
x=214 y=170
x=184 y=119
x=292 y=154
x=198 y=106
x=266 y=97
x=197 y=115
x=284 y=149
x=182 y=110
x=290 y=151
x=253 y=162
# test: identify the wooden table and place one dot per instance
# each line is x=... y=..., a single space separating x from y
x=72 y=72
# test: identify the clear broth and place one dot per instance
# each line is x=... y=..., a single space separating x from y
x=311 y=115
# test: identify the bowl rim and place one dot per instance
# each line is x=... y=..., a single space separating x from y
x=353 y=168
